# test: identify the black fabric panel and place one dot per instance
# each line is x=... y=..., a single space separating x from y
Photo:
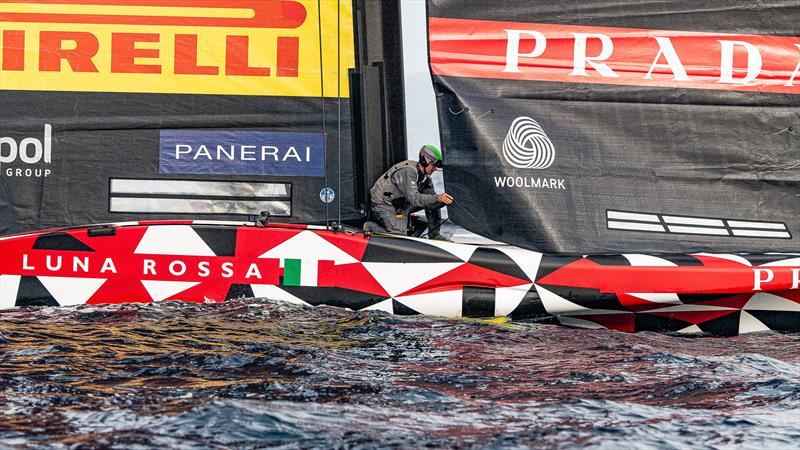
x=7 y=214
x=478 y=302
x=99 y=136
x=221 y=240
x=60 y=241
x=718 y=162
x=708 y=153
x=135 y=111
x=31 y=292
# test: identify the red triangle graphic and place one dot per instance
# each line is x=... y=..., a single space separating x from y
x=252 y=242
x=353 y=244
x=466 y=275
x=349 y=276
x=634 y=303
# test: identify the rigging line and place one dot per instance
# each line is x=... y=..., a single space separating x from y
x=322 y=102
x=339 y=105
x=435 y=229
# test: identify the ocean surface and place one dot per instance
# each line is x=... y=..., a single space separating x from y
x=257 y=373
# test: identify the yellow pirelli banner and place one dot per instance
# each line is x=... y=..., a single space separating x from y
x=228 y=47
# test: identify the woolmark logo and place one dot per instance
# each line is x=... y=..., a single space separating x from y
x=527 y=145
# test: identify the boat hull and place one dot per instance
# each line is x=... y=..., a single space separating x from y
x=214 y=261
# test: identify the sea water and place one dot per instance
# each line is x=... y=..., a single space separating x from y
x=256 y=373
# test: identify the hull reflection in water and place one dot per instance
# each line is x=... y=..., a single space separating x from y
x=196 y=261
x=255 y=373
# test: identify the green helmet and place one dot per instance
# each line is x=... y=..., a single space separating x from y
x=429 y=154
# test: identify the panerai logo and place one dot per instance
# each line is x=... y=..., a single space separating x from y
x=527 y=147
x=28 y=151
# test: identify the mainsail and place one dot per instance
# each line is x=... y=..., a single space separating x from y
x=123 y=110
x=639 y=126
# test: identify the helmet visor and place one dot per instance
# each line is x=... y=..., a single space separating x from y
x=432 y=155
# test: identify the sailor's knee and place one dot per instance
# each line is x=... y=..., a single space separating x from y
x=372 y=227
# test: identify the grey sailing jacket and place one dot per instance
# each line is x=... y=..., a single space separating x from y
x=400 y=182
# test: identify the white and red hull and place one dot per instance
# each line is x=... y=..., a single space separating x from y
x=215 y=261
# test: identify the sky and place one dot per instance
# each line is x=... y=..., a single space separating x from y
x=422 y=125
x=421 y=121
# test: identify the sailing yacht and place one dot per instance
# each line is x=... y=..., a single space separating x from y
x=627 y=171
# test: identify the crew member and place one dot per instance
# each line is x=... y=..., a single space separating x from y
x=406 y=188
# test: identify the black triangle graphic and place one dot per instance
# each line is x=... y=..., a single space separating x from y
x=477 y=302
x=682 y=260
x=609 y=260
x=493 y=259
x=531 y=307
x=759 y=260
x=648 y=322
x=33 y=293
x=727 y=325
x=60 y=240
x=588 y=298
x=239 y=291
x=550 y=264
x=398 y=250
x=785 y=321
x=403 y=310
x=697 y=298
x=221 y=239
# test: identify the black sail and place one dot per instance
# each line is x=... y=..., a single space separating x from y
x=120 y=116
x=638 y=126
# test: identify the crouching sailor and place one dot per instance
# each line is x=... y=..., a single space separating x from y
x=406 y=188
